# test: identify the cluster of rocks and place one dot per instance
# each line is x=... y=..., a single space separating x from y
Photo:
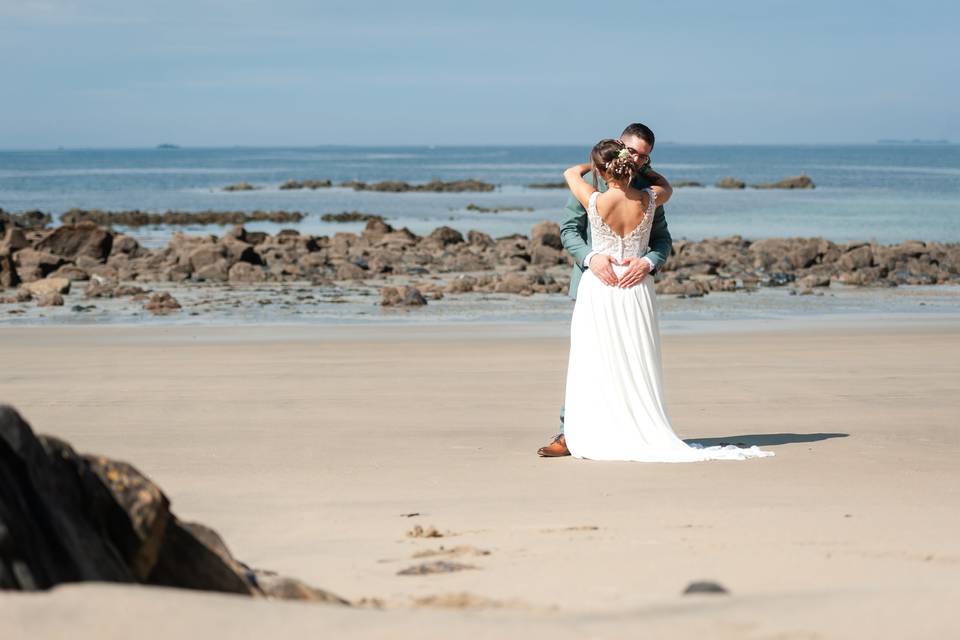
x=306 y=184
x=240 y=186
x=802 y=181
x=434 y=186
x=478 y=209
x=137 y=218
x=731 y=264
x=547 y=185
x=68 y=517
x=448 y=261
x=25 y=220
x=350 y=216
x=389 y=186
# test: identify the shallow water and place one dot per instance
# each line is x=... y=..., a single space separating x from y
x=886 y=193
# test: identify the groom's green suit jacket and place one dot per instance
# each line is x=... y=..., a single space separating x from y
x=576 y=237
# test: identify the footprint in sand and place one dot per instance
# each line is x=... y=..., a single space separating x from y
x=453 y=552
x=586 y=527
x=428 y=532
x=438 y=566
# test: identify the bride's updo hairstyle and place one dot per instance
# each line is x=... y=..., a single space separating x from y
x=612 y=159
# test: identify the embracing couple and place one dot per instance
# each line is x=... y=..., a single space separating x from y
x=617 y=232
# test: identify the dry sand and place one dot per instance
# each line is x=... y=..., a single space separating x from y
x=305 y=447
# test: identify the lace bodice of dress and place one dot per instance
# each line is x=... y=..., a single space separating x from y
x=606 y=241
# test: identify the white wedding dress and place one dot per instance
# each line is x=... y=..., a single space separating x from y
x=614 y=400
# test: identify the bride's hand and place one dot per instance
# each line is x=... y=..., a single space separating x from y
x=600 y=266
x=637 y=270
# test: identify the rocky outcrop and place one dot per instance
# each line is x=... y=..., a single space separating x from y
x=72 y=241
x=730 y=183
x=240 y=186
x=802 y=181
x=401 y=297
x=26 y=220
x=520 y=264
x=350 y=216
x=183 y=218
x=67 y=517
x=434 y=186
x=306 y=184
x=547 y=185
x=161 y=304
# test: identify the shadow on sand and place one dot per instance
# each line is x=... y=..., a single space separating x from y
x=765 y=439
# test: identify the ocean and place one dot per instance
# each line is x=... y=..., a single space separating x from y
x=887 y=193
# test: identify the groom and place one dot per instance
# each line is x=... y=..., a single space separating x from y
x=575 y=234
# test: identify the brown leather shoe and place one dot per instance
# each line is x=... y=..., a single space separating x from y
x=556 y=449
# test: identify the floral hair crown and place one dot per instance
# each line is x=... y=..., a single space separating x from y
x=624 y=153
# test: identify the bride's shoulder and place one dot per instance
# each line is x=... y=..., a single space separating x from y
x=641 y=196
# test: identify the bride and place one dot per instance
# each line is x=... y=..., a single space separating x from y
x=614 y=400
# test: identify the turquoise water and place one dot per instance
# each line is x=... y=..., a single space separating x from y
x=886 y=193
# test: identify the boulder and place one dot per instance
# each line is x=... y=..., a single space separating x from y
x=71 y=241
x=8 y=272
x=856 y=258
x=479 y=239
x=244 y=272
x=66 y=517
x=730 y=183
x=350 y=271
x=50 y=300
x=401 y=297
x=216 y=272
x=161 y=304
x=519 y=283
x=32 y=264
x=13 y=240
x=47 y=286
x=802 y=181
x=547 y=234
x=444 y=236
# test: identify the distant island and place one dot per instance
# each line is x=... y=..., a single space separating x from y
x=914 y=141
x=168 y=146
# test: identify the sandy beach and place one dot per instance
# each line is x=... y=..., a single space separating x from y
x=308 y=447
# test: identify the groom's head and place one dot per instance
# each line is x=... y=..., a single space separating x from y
x=640 y=138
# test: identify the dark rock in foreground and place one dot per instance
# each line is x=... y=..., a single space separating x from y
x=67 y=517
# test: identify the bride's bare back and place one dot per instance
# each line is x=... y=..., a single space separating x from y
x=623 y=211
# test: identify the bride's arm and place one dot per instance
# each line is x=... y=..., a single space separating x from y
x=581 y=189
x=659 y=185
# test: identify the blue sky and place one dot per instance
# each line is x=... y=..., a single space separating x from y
x=106 y=73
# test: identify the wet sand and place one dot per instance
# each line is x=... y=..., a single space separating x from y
x=305 y=447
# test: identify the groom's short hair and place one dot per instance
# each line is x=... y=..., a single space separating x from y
x=640 y=130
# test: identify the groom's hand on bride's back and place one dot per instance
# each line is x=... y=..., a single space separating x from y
x=601 y=266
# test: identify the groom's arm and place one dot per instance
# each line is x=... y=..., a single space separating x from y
x=573 y=231
x=661 y=243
